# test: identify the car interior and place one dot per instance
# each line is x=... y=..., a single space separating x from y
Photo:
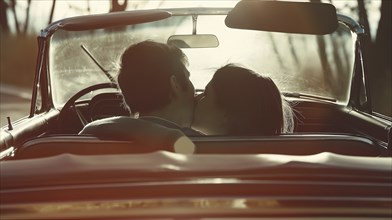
x=320 y=126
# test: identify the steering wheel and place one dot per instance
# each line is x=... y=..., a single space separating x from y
x=71 y=104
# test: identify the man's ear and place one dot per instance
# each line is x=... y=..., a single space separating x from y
x=175 y=87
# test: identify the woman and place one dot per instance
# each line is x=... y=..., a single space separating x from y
x=238 y=101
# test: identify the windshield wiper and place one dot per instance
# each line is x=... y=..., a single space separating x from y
x=98 y=64
x=302 y=95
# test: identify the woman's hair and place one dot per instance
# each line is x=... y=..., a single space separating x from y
x=253 y=104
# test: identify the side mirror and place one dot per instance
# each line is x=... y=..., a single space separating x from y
x=194 y=41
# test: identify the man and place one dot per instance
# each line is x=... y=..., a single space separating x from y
x=155 y=84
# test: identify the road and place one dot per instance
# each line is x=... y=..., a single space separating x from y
x=14 y=102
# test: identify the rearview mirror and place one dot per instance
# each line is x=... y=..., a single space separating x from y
x=280 y=16
x=193 y=41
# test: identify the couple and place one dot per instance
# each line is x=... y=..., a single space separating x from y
x=155 y=84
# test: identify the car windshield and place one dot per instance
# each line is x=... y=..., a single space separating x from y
x=298 y=63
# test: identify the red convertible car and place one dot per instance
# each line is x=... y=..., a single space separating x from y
x=335 y=165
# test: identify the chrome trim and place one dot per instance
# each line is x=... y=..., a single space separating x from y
x=7 y=152
x=353 y=25
x=38 y=73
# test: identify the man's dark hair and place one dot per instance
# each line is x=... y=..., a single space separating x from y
x=145 y=71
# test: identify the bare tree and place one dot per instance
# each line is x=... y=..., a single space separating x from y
x=363 y=17
x=116 y=6
x=327 y=71
x=384 y=36
x=276 y=51
x=3 y=17
x=293 y=52
x=13 y=5
x=20 y=28
x=88 y=7
x=26 y=24
x=364 y=21
x=380 y=67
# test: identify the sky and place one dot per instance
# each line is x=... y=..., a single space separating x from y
x=40 y=9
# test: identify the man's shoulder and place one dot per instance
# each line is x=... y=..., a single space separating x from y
x=124 y=122
x=95 y=126
x=111 y=120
